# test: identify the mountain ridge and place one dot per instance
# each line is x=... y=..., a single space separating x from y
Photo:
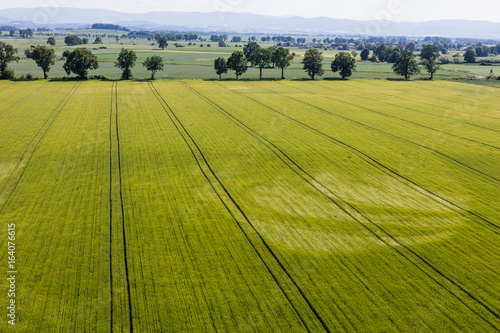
x=247 y=23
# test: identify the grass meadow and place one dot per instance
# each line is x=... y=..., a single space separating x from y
x=291 y=206
x=196 y=62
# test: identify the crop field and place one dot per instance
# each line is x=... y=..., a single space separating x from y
x=291 y=206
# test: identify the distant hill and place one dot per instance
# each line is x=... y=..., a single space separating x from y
x=247 y=22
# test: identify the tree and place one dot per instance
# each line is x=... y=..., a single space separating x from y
x=44 y=58
x=222 y=43
x=431 y=66
x=238 y=63
x=153 y=64
x=12 y=33
x=249 y=49
x=313 y=63
x=28 y=52
x=85 y=40
x=126 y=61
x=470 y=55
x=8 y=54
x=429 y=51
x=365 y=54
x=411 y=46
x=344 y=63
x=80 y=61
x=394 y=56
x=162 y=42
x=51 y=41
x=261 y=58
x=98 y=40
x=406 y=65
x=220 y=66
x=282 y=58
x=72 y=40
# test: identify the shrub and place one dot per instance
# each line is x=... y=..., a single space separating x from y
x=444 y=60
x=8 y=74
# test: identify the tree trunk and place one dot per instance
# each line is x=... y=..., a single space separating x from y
x=313 y=76
x=45 y=75
x=282 y=73
x=236 y=76
x=260 y=77
x=432 y=75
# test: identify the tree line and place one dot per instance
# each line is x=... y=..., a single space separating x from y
x=405 y=63
x=79 y=61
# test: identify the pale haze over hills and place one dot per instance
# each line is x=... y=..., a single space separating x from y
x=247 y=22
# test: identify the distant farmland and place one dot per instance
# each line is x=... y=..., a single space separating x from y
x=293 y=206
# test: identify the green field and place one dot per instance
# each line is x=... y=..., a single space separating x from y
x=292 y=206
x=195 y=62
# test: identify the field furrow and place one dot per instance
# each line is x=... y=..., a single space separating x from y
x=61 y=210
x=214 y=149
x=20 y=132
x=207 y=276
x=236 y=206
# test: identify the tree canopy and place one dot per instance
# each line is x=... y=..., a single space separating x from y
x=261 y=58
x=282 y=58
x=365 y=54
x=51 y=41
x=313 y=63
x=80 y=61
x=429 y=51
x=73 y=40
x=153 y=64
x=238 y=63
x=431 y=66
x=344 y=63
x=220 y=66
x=406 y=65
x=162 y=42
x=8 y=54
x=249 y=49
x=44 y=57
x=470 y=55
x=126 y=61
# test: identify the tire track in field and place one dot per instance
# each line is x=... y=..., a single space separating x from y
x=358 y=216
x=115 y=142
x=386 y=115
x=237 y=213
x=465 y=114
x=386 y=169
x=455 y=161
x=395 y=137
x=31 y=148
x=113 y=87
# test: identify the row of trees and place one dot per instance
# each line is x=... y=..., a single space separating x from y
x=257 y=56
x=79 y=61
x=405 y=64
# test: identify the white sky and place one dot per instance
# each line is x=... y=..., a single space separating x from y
x=395 y=10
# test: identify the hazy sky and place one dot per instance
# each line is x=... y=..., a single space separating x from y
x=396 y=10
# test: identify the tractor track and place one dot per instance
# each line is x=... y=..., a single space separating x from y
x=33 y=145
x=386 y=169
x=235 y=210
x=356 y=214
